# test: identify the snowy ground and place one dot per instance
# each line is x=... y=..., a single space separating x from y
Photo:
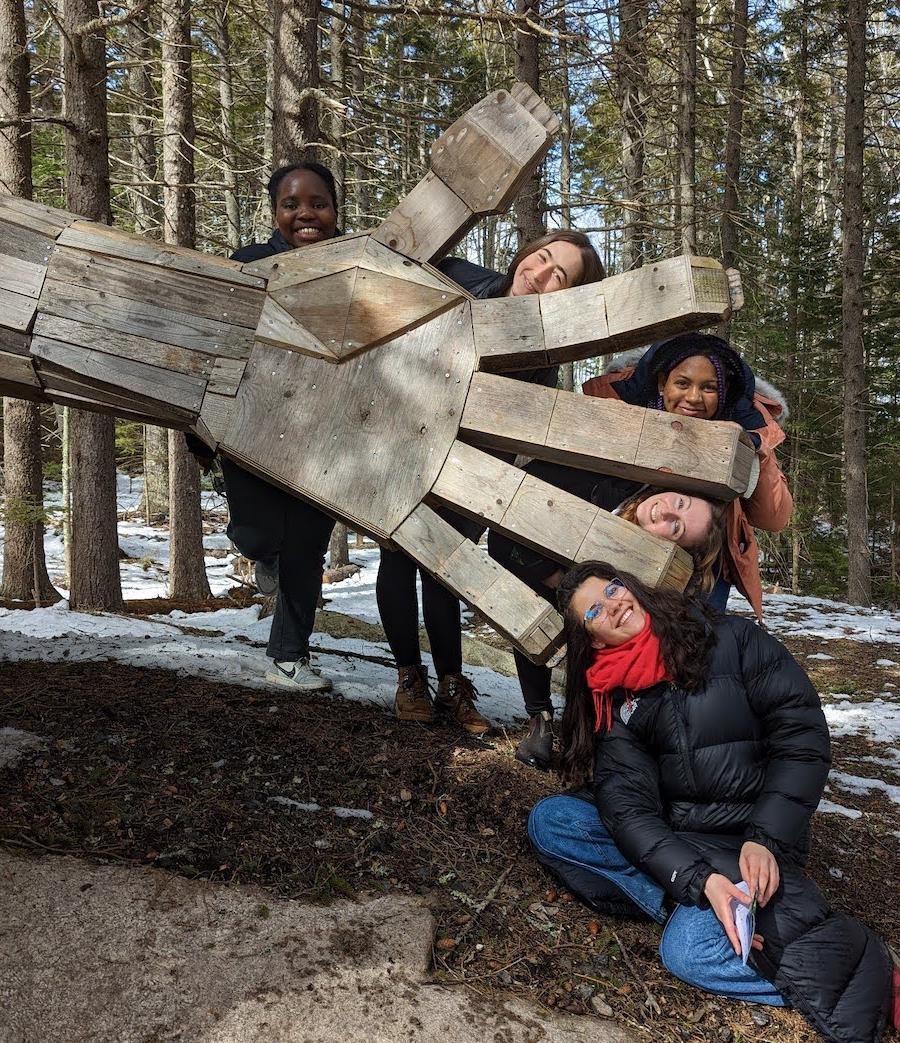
x=228 y=645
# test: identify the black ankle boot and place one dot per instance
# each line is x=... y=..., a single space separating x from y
x=536 y=748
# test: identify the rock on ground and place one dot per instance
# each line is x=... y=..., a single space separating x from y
x=126 y=954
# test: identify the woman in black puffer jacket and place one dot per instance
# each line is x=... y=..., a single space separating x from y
x=707 y=751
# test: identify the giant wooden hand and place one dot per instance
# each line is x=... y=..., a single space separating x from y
x=355 y=375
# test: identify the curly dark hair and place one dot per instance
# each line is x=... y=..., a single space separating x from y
x=686 y=641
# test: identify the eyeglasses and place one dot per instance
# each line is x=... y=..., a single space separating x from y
x=611 y=591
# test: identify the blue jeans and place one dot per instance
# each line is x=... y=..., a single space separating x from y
x=570 y=840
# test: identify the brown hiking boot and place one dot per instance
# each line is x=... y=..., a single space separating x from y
x=456 y=696
x=413 y=699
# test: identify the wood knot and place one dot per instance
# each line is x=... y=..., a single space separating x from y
x=677 y=425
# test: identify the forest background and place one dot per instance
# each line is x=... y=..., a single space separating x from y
x=764 y=135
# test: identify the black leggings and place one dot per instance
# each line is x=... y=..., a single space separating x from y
x=270 y=525
x=395 y=591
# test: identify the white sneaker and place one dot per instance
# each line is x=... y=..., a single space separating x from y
x=299 y=675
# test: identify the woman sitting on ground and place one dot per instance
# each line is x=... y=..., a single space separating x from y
x=695 y=524
x=706 y=752
x=699 y=375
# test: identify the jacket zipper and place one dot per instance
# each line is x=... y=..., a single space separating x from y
x=678 y=700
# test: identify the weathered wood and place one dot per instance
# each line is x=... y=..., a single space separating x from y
x=14 y=342
x=215 y=415
x=36 y=217
x=512 y=608
x=113 y=242
x=426 y=223
x=309 y=262
x=364 y=440
x=156 y=322
x=17 y=370
x=65 y=388
x=20 y=242
x=111 y=342
x=509 y=327
x=604 y=435
x=550 y=520
x=535 y=105
x=13 y=389
x=379 y=258
x=20 y=276
x=152 y=385
x=16 y=310
x=486 y=154
x=226 y=376
x=152 y=284
x=278 y=329
x=623 y=311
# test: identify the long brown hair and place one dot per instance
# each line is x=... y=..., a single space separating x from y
x=590 y=259
x=685 y=638
x=707 y=556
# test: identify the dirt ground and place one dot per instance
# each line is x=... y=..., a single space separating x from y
x=205 y=780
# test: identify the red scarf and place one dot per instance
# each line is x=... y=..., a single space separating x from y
x=634 y=665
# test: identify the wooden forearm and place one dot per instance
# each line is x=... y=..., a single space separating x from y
x=607 y=436
x=624 y=311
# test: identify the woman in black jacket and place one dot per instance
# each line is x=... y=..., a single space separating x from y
x=285 y=536
x=707 y=751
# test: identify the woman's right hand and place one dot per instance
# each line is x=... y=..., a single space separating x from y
x=719 y=891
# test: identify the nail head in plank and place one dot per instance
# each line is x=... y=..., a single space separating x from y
x=427 y=222
x=16 y=311
x=478 y=484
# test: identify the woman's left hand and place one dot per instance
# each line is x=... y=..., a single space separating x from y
x=760 y=870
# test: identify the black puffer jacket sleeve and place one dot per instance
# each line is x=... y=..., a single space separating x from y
x=799 y=747
x=627 y=794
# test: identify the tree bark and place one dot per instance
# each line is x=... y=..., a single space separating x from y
x=226 y=127
x=156 y=474
x=338 y=89
x=94 y=563
x=361 y=195
x=859 y=573
x=530 y=204
x=295 y=121
x=24 y=564
x=187 y=569
x=687 y=123
x=145 y=196
x=338 y=550
x=631 y=73
x=733 y=136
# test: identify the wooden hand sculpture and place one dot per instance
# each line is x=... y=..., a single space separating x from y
x=356 y=376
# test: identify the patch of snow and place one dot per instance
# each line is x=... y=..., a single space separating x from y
x=339 y=812
x=15 y=743
x=819 y=655
x=352 y=812
x=826 y=807
x=859 y=785
x=836 y=873
x=886 y=662
x=878 y=719
x=295 y=805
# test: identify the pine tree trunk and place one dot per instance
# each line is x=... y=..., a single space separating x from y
x=338 y=550
x=187 y=569
x=295 y=120
x=733 y=135
x=94 y=579
x=146 y=196
x=156 y=474
x=338 y=90
x=631 y=73
x=530 y=204
x=226 y=127
x=361 y=194
x=859 y=575
x=24 y=565
x=687 y=123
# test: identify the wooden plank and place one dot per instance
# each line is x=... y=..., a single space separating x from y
x=14 y=342
x=18 y=369
x=320 y=307
x=503 y=413
x=365 y=441
x=535 y=105
x=427 y=222
x=150 y=284
x=20 y=276
x=215 y=414
x=226 y=376
x=607 y=436
x=124 y=377
x=574 y=322
x=69 y=390
x=36 y=217
x=140 y=349
x=379 y=258
x=279 y=329
x=506 y=602
x=155 y=322
x=311 y=262
x=554 y=522
x=487 y=153
x=24 y=244
x=509 y=328
x=10 y=389
x=114 y=242
x=16 y=311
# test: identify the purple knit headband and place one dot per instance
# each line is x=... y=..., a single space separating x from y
x=717 y=366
